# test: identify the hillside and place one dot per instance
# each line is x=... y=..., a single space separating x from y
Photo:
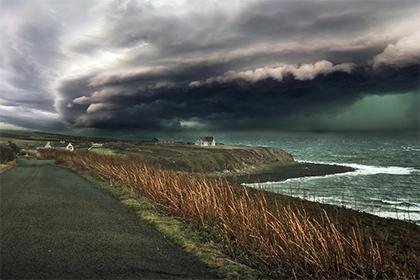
x=190 y=158
x=239 y=163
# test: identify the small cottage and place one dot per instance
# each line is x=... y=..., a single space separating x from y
x=95 y=145
x=59 y=145
x=206 y=141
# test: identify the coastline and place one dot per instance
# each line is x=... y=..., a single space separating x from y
x=281 y=172
x=398 y=231
x=401 y=236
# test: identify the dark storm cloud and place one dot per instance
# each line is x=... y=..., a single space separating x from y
x=237 y=104
x=205 y=64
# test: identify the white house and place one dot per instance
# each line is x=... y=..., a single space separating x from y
x=206 y=141
x=95 y=145
x=61 y=145
x=70 y=147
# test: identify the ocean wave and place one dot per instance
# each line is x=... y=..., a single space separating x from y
x=398 y=203
x=362 y=169
x=401 y=210
x=410 y=148
x=297 y=179
x=414 y=217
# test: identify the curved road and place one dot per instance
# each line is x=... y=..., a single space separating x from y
x=57 y=225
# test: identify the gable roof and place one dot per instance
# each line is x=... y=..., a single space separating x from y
x=58 y=144
x=207 y=138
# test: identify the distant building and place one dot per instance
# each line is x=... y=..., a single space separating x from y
x=206 y=141
x=70 y=147
x=95 y=145
x=59 y=145
x=163 y=141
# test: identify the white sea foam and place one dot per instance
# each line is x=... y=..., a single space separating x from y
x=401 y=203
x=410 y=148
x=394 y=210
x=409 y=216
x=362 y=169
x=370 y=170
x=297 y=179
x=398 y=209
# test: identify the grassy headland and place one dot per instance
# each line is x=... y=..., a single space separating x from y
x=190 y=158
x=282 y=236
x=236 y=163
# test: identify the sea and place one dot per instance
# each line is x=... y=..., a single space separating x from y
x=386 y=182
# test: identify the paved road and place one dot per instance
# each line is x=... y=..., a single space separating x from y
x=57 y=225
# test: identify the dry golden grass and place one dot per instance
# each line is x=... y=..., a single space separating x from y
x=281 y=239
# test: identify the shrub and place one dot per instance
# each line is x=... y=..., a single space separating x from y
x=6 y=154
x=15 y=148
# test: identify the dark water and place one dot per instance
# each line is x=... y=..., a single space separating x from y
x=387 y=180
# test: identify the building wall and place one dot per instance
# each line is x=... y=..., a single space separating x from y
x=70 y=147
x=205 y=143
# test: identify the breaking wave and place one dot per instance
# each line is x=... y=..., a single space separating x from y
x=362 y=169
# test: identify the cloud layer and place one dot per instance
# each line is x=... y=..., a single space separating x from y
x=202 y=64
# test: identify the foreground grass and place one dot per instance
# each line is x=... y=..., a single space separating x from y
x=279 y=238
x=189 y=237
x=7 y=165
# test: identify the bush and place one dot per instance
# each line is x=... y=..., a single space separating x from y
x=15 y=148
x=6 y=154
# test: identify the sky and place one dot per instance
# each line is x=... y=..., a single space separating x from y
x=189 y=65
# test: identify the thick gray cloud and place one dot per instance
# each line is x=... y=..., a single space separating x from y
x=202 y=64
x=32 y=59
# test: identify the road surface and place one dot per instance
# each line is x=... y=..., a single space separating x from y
x=57 y=225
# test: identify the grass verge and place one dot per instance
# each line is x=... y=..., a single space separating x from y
x=7 y=165
x=190 y=238
x=286 y=239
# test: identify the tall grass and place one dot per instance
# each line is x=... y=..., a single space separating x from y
x=280 y=238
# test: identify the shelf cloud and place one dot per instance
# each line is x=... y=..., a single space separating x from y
x=225 y=65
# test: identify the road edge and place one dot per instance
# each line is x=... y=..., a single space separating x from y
x=6 y=166
x=186 y=236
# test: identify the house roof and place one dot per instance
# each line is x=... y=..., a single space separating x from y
x=58 y=144
x=207 y=138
